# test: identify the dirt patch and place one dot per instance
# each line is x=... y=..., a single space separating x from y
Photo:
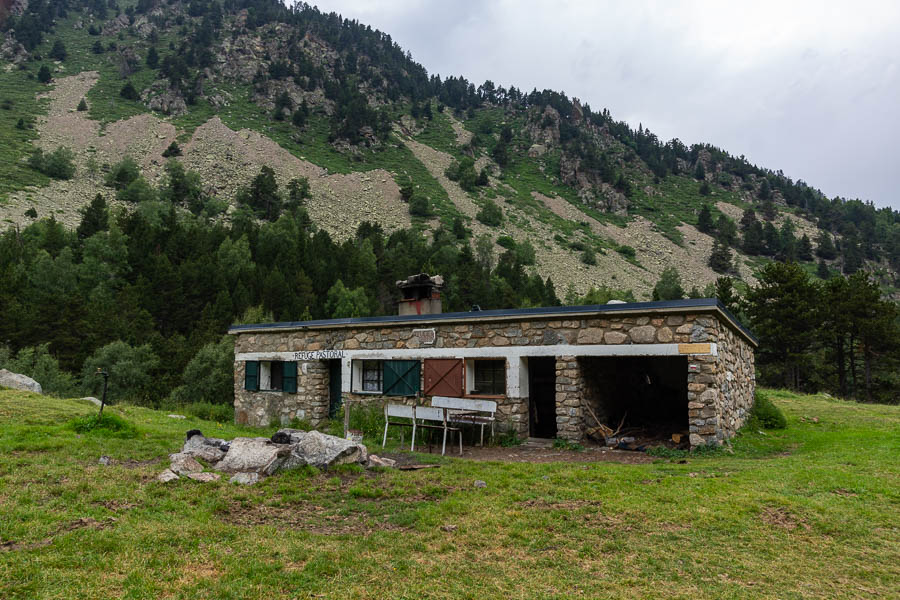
x=305 y=517
x=193 y=573
x=562 y=505
x=463 y=135
x=117 y=505
x=782 y=518
x=542 y=455
x=82 y=523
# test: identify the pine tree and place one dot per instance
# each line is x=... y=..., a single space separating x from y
x=720 y=257
x=754 y=243
x=822 y=271
x=152 y=58
x=94 y=218
x=804 y=249
x=58 y=51
x=782 y=309
x=699 y=172
x=128 y=92
x=748 y=219
x=44 y=74
x=825 y=246
x=705 y=221
x=669 y=285
x=82 y=106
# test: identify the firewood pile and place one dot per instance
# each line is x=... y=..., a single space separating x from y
x=636 y=438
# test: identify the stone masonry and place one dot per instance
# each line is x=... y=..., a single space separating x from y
x=720 y=387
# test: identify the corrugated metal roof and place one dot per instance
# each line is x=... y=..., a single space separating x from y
x=512 y=314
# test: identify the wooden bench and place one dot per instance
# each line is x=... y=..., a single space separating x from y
x=469 y=411
x=416 y=414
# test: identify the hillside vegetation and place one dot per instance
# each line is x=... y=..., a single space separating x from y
x=171 y=167
x=805 y=512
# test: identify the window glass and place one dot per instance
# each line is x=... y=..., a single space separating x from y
x=371 y=375
x=271 y=375
x=490 y=377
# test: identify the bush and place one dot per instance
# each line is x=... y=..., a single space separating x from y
x=58 y=164
x=107 y=425
x=765 y=415
x=506 y=242
x=128 y=92
x=420 y=207
x=137 y=191
x=208 y=378
x=490 y=214
x=82 y=106
x=626 y=251
x=122 y=174
x=172 y=151
x=44 y=75
x=131 y=373
x=37 y=362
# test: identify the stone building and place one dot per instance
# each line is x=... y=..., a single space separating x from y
x=676 y=366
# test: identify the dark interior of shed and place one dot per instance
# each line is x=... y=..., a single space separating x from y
x=643 y=400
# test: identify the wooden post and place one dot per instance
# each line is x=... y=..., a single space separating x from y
x=346 y=417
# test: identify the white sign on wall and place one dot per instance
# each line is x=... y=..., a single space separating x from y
x=426 y=336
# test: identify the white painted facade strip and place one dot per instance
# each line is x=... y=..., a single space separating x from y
x=516 y=367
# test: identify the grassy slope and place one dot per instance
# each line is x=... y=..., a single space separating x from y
x=811 y=512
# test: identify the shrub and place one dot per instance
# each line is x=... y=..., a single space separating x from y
x=420 y=207
x=490 y=214
x=208 y=378
x=122 y=174
x=506 y=241
x=37 y=362
x=44 y=75
x=128 y=92
x=82 y=106
x=137 y=191
x=589 y=257
x=131 y=372
x=765 y=415
x=173 y=150
x=107 y=425
x=626 y=251
x=58 y=164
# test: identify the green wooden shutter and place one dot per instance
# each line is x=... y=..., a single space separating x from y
x=289 y=377
x=401 y=377
x=251 y=375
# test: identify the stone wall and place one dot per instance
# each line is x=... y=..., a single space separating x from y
x=569 y=397
x=720 y=389
x=613 y=330
x=262 y=408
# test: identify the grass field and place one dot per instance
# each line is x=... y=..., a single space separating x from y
x=812 y=511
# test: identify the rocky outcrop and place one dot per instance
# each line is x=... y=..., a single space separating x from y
x=258 y=455
x=251 y=459
x=162 y=98
x=322 y=451
x=16 y=381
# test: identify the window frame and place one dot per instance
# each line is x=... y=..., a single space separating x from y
x=278 y=375
x=471 y=381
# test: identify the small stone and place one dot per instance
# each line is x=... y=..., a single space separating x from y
x=449 y=528
x=167 y=476
x=176 y=416
x=245 y=478
x=183 y=464
x=104 y=460
x=480 y=484
x=378 y=461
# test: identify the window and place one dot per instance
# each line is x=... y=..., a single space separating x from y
x=489 y=377
x=270 y=376
x=372 y=375
x=388 y=377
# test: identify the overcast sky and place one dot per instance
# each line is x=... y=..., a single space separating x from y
x=811 y=88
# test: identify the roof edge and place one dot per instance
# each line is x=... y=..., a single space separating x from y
x=548 y=312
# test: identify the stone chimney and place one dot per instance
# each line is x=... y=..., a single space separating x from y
x=421 y=295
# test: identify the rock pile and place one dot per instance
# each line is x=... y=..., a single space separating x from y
x=250 y=459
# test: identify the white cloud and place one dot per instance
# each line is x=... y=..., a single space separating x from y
x=807 y=87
